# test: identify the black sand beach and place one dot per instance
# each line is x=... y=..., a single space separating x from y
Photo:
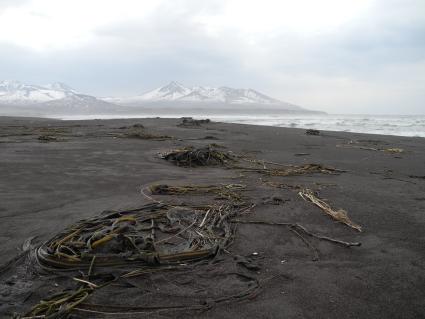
x=54 y=173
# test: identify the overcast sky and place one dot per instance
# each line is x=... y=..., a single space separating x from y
x=340 y=56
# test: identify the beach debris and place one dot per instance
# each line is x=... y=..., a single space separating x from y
x=274 y=200
x=204 y=156
x=417 y=176
x=339 y=215
x=372 y=141
x=155 y=237
x=159 y=237
x=393 y=150
x=240 y=286
x=211 y=156
x=215 y=145
x=47 y=138
x=210 y=137
x=300 y=229
x=53 y=130
x=229 y=191
x=134 y=126
x=189 y=121
x=365 y=145
x=58 y=305
x=125 y=236
x=312 y=132
x=138 y=131
x=293 y=170
x=294 y=187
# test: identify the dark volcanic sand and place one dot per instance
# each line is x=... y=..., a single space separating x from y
x=46 y=186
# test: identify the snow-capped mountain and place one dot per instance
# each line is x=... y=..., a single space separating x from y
x=176 y=92
x=172 y=91
x=55 y=98
x=14 y=92
x=58 y=99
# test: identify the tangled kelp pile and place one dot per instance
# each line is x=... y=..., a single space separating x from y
x=141 y=236
x=204 y=156
x=190 y=122
x=138 y=131
x=155 y=237
x=312 y=132
x=211 y=156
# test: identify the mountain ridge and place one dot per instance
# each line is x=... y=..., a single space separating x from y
x=174 y=91
x=18 y=93
x=174 y=98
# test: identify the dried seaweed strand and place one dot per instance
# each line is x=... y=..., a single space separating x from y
x=339 y=215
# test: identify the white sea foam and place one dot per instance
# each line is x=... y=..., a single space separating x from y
x=401 y=125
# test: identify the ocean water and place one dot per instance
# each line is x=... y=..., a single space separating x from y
x=401 y=125
x=372 y=124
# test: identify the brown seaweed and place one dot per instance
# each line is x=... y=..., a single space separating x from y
x=205 y=156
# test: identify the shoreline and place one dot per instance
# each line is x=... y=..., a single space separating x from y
x=409 y=126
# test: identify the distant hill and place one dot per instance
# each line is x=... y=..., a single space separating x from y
x=177 y=94
x=17 y=98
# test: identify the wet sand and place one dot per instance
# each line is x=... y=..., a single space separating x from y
x=48 y=185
